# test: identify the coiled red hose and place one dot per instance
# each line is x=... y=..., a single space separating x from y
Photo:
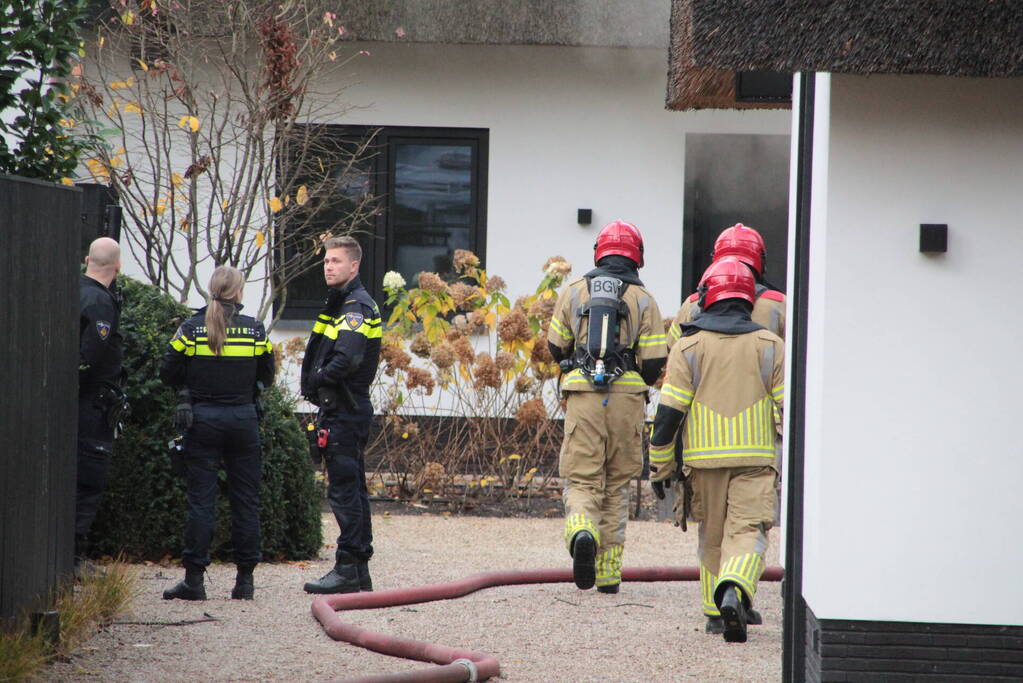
x=457 y=664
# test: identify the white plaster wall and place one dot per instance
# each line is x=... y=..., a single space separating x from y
x=913 y=440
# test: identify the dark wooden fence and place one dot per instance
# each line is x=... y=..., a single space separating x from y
x=39 y=255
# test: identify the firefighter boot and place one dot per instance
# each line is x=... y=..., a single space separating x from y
x=365 y=581
x=191 y=588
x=244 y=586
x=733 y=613
x=584 y=556
x=343 y=578
x=715 y=626
x=610 y=588
x=753 y=617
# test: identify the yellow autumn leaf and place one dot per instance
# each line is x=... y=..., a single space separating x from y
x=302 y=195
x=260 y=238
x=287 y=199
x=176 y=179
x=189 y=122
x=67 y=181
x=102 y=39
x=119 y=85
x=224 y=205
x=132 y=108
x=159 y=209
x=515 y=456
x=142 y=65
x=119 y=150
x=404 y=435
x=128 y=17
x=275 y=204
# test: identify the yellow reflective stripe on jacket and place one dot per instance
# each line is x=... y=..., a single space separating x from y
x=661 y=454
x=181 y=343
x=711 y=435
x=369 y=328
x=652 y=339
x=560 y=330
x=778 y=393
x=679 y=394
x=675 y=331
x=577 y=377
x=322 y=321
x=234 y=347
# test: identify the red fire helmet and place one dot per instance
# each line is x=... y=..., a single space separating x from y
x=744 y=243
x=621 y=238
x=727 y=278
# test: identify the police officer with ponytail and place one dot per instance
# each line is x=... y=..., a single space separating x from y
x=607 y=333
x=218 y=360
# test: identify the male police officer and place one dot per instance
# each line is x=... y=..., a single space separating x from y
x=745 y=244
x=339 y=366
x=100 y=376
x=607 y=332
x=727 y=373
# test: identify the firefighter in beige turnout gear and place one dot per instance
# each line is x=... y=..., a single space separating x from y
x=611 y=346
x=725 y=378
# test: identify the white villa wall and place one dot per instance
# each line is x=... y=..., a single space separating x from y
x=912 y=443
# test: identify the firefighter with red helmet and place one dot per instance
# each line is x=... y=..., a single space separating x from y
x=746 y=244
x=725 y=380
x=608 y=335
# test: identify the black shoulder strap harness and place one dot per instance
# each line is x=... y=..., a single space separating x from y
x=603 y=358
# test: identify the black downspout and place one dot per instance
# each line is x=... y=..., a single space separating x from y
x=794 y=638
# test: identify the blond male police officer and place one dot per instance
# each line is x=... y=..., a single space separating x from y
x=745 y=244
x=608 y=334
x=727 y=373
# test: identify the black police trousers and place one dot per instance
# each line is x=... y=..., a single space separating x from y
x=228 y=434
x=95 y=449
x=346 y=489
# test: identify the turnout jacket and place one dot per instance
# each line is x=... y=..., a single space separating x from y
x=100 y=346
x=730 y=385
x=768 y=312
x=230 y=378
x=344 y=349
x=642 y=330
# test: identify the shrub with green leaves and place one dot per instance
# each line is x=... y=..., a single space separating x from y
x=143 y=510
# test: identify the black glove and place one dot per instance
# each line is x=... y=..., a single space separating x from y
x=183 y=411
x=659 y=486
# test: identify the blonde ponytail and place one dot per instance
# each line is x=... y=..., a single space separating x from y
x=226 y=285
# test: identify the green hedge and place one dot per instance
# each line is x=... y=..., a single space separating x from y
x=143 y=510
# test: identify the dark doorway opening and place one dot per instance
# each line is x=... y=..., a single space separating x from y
x=733 y=179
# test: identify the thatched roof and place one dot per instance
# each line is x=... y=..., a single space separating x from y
x=698 y=87
x=947 y=37
x=602 y=23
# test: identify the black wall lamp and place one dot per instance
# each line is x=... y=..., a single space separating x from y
x=584 y=216
x=933 y=238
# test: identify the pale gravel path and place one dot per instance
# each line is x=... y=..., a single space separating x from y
x=535 y=636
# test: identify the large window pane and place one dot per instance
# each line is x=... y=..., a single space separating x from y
x=433 y=207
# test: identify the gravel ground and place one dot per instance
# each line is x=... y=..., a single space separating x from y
x=648 y=632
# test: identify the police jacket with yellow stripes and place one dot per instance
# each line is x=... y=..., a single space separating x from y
x=768 y=312
x=101 y=354
x=642 y=330
x=344 y=348
x=729 y=385
x=228 y=378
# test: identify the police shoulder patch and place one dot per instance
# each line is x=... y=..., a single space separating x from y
x=354 y=320
x=103 y=329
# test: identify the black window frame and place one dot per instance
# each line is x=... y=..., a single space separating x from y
x=385 y=140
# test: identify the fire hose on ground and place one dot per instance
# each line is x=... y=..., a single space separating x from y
x=457 y=664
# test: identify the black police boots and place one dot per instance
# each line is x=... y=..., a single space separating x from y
x=584 y=557
x=244 y=586
x=733 y=614
x=365 y=582
x=343 y=578
x=191 y=588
